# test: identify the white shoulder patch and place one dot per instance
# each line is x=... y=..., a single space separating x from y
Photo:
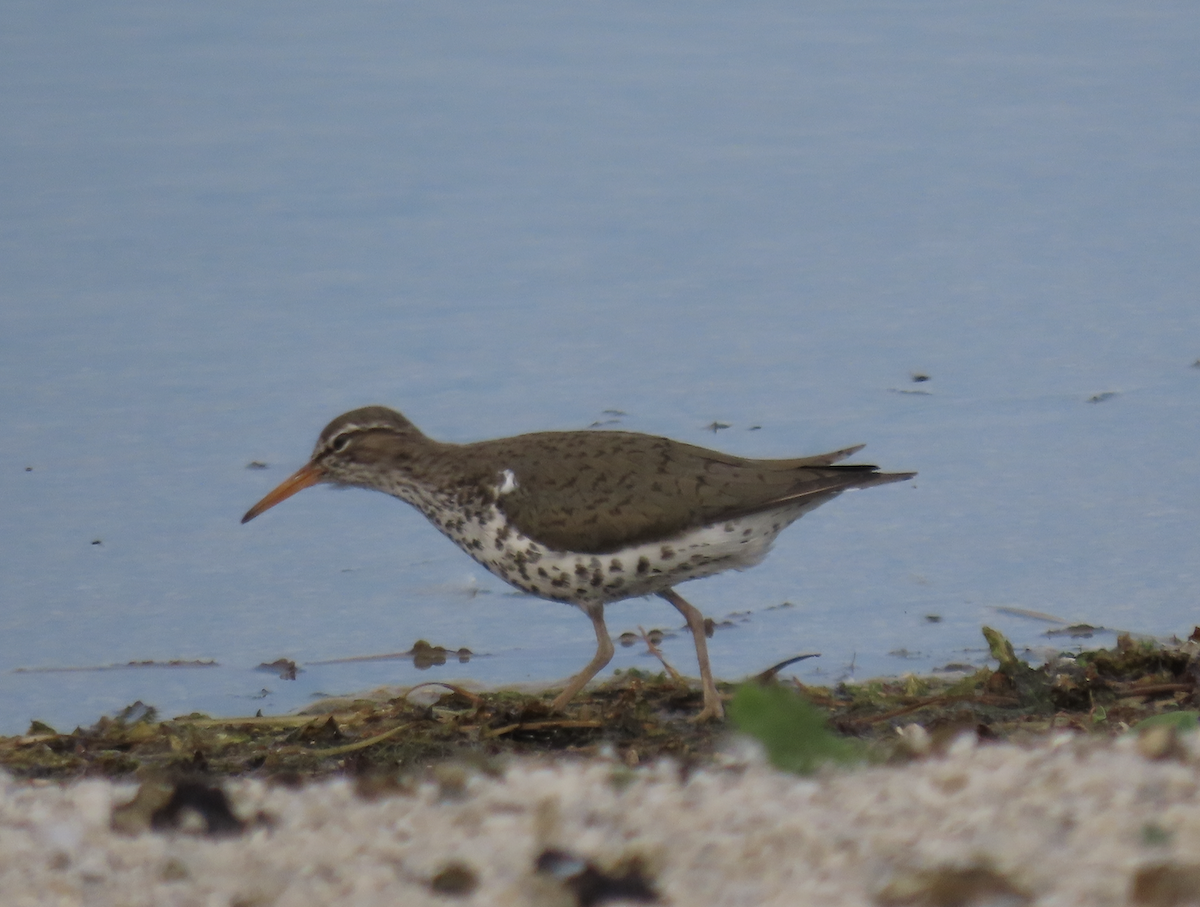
x=509 y=484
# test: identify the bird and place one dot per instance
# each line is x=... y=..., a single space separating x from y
x=585 y=517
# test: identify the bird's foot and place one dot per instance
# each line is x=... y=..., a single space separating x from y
x=712 y=711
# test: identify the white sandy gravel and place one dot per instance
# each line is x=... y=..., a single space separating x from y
x=1065 y=821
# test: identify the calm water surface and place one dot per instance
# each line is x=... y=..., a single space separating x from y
x=225 y=224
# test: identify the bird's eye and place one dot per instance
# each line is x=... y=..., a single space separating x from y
x=339 y=443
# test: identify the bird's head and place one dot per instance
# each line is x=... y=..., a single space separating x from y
x=369 y=447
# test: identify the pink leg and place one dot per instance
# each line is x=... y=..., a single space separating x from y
x=604 y=654
x=695 y=621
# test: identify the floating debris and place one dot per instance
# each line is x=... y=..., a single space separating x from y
x=1032 y=615
x=422 y=654
x=956 y=667
x=284 y=668
x=1075 y=631
x=425 y=656
x=175 y=663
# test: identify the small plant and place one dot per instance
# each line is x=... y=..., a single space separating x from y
x=793 y=732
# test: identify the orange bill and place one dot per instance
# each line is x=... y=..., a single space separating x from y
x=302 y=478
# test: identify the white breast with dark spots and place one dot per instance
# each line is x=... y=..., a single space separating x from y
x=643 y=569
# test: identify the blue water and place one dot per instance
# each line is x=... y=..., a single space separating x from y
x=223 y=224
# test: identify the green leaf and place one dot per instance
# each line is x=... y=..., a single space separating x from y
x=1001 y=649
x=791 y=730
x=1183 y=722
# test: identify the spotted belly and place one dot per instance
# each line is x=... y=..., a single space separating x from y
x=588 y=579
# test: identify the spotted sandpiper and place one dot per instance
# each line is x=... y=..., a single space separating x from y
x=585 y=517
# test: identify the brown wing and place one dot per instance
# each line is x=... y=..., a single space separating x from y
x=596 y=492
